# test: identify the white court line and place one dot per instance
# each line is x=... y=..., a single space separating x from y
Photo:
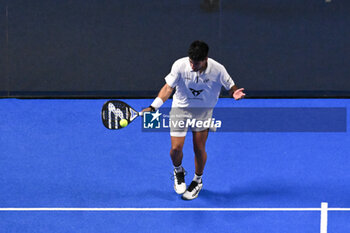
x=172 y=209
x=323 y=225
x=338 y=209
x=324 y=217
x=324 y=207
x=160 y=209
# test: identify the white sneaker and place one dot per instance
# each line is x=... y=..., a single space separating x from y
x=179 y=182
x=193 y=190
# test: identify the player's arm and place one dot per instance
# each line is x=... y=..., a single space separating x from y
x=165 y=92
x=236 y=93
x=229 y=84
x=163 y=95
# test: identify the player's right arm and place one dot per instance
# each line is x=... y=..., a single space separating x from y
x=165 y=92
x=163 y=95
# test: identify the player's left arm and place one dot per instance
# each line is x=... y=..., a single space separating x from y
x=236 y=93
x=229 y=84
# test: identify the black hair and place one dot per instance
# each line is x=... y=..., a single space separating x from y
x=198 y=50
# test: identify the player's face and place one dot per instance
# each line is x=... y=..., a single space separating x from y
x=198 y=65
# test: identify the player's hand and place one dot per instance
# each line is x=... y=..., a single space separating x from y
x=148 y=109
x=238 y=94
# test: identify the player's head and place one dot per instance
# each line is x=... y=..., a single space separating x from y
x=198 y=51
x=198 y=54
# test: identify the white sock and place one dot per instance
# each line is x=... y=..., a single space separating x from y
x=196 y=178
x=178 y=169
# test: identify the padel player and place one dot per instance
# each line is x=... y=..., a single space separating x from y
x=197 y=81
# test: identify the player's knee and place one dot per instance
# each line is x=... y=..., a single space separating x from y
x=176 y=150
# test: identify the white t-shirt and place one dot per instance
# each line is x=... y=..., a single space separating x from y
x=194 y=89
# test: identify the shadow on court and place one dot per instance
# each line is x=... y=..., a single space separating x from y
x=249 y=192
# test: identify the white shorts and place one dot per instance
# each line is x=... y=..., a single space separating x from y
x=198 y=119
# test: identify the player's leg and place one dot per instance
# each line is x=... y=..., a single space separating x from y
x=178 y=135
x=176 y=155
x=200 y=159
x=199 y=141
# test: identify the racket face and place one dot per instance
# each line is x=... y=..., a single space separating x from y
x=114 y=110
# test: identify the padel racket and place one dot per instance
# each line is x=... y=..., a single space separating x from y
x=114 y=110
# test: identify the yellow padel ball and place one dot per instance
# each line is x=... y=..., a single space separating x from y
x=123 y=123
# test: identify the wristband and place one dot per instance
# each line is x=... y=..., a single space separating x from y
x=152 y=109
x=157 y=103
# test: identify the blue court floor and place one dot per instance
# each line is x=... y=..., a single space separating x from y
x=58 y=154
